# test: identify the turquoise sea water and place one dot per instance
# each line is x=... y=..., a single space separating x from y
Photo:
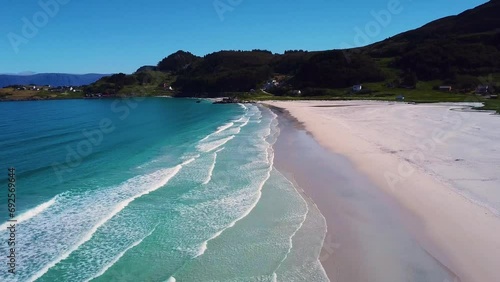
x=155 y=189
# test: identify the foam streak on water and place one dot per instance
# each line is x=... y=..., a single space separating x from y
x=209 y=147
x=212 y=167
x=166 y=176
x=269 y=158
x=117 y=258
x=224 y=127
x=31 y=213
x=291 y=238
x=219 y=130
x=223 y=135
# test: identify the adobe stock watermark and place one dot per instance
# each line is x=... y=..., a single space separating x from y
x=373 y=28
x=31 y=26
x=76 y=153
x=223 y=6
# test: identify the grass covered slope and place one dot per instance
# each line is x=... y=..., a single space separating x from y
x=13 y=94
x=144 y=83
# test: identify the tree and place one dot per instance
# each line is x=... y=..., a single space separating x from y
x=144 y=78
x=409 y=79
x=177 y=61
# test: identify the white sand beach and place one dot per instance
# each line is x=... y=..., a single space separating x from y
x=438 y=162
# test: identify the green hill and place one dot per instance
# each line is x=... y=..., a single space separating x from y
x=145 y=82
x=466 y=44
x=225 y=71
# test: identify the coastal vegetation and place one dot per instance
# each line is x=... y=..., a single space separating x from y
x=30 y=92
x=142 y=83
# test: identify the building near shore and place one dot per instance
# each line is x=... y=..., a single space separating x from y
x=357 y=88
x=445 y=88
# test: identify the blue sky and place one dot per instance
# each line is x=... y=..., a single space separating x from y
x=108 y=36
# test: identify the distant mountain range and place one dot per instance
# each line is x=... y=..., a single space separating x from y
x=53 y=79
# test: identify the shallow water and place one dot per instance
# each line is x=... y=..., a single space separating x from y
x=153 y=190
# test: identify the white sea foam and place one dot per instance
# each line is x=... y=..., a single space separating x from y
x=164 y=177
x=290 y=239
x=231 y=128
x=243 y=106
x=190 y=160
x=203 y=246
x=29 y=214
x=224 y=127
x=206 y=138
x=232 y=202
x=219 y=130
x=245 y=123
x=120 y=255
x=212 y=167
x=210 y=146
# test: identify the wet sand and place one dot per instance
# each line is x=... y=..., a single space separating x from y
x=438 y=164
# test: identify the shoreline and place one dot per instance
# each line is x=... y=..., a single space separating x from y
x=477 y=108
x=456 y=233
